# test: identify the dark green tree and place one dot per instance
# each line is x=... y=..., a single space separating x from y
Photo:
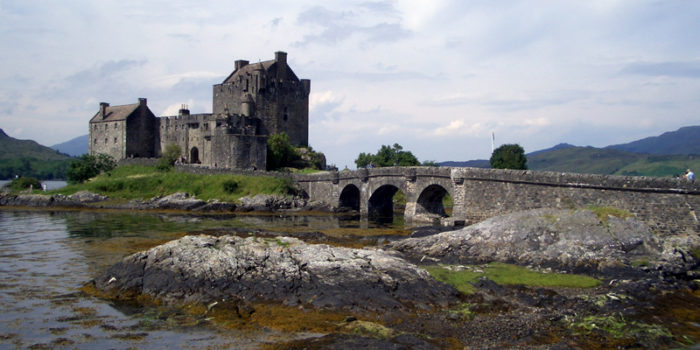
x=170 y=155
x=88 y=166
x=387 y=156
x=280 y=152
x=510 y=156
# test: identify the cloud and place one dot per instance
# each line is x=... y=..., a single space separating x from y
x=689 y=69
x=340 y=25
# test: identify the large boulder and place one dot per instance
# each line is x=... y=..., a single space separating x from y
x=269 y=202
x=282 y=269
x=575 y=240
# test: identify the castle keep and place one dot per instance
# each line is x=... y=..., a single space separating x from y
x=253 y=102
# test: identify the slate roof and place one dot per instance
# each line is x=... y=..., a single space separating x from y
x=266 y=65
x=115 y=113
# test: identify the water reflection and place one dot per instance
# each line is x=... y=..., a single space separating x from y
x=45 y=257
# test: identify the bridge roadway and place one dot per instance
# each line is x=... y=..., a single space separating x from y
x=667 y=205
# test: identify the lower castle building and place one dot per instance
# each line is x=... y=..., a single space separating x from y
x=253 y=102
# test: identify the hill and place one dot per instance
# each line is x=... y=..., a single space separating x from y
x=74 y=147
x=666 y=155
x=15 y=148
x=28 y=158
x=685 y=140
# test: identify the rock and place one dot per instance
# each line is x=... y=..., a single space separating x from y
x=26 y=200
x=268 y=202
x=179 y=200
x=569 y=240
x=282 y=269
x=86 y=197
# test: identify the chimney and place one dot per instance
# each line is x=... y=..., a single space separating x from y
x=281 y=60
x=184 y=111
x=241 y=63
x=142 y=102
x=281 y=56
x=103 y=109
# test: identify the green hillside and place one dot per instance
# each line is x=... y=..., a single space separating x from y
x=611 y=162
x=28 y=158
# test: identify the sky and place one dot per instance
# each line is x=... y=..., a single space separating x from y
x=438 y=77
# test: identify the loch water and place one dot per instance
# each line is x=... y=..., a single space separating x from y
x=47 y=256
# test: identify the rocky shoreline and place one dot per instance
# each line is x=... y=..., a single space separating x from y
x=383 y=298
x=176 y=201
x=388 y=285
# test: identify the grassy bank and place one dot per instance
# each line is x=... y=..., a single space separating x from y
x=463 y=279
x=142 y=182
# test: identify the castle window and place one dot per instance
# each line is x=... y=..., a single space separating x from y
x=286 y=114
x=115 y=140
x=115 y=125
x=106 y=126
x=94 y=142
x=105 y=140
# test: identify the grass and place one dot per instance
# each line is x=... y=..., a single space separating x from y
x=142 y=182
x=604 y=213
x=507 y=274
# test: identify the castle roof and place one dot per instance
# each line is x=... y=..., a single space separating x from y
x=267 y=66
x=115 y=113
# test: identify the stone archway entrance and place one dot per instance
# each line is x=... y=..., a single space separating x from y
x=194 y=156
x=349 y=199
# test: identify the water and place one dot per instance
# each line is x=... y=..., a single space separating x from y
x=45 y=257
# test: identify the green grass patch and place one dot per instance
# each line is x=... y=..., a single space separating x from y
x=507 y=274
x=604 y=213
x=142 y=182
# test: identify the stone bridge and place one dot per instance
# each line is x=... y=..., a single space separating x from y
x=666 y=205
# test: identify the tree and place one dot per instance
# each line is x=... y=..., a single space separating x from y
x=387 y=156
x=170 y=155
x=88 y=166
x=280 y=152
x=510 y=156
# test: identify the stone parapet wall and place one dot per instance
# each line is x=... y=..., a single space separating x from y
x=667 y=205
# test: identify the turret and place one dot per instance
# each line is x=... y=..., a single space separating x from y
x=248 y=106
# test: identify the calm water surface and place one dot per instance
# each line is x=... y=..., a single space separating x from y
x=45 y=257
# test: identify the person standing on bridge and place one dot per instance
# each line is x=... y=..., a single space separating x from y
x=689 y=175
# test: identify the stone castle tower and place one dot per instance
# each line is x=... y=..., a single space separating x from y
x=253 y=102
x=270 y=91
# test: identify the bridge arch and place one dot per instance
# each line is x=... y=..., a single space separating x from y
x=380 y=205
x=349 y=198
x=430 y=202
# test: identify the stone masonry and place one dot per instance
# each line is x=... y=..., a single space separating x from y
x=253 y=102
x=668 y=206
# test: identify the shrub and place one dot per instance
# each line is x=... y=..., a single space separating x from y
x=230 y=186
x=170 y=155
x=23 y=183
x=89 y=166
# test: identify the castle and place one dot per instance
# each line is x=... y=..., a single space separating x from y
x=253 y=102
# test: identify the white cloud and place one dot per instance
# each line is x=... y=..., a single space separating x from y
x=435 y=76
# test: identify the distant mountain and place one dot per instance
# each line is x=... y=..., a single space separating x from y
x=685 y=140
x=479 y=163
x=14 y=149
x=28 y=158
x=557 y=147
x=75 y=147
x=666 y=155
